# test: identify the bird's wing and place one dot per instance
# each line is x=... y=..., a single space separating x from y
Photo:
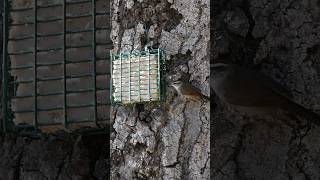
x=275 y=86
x=192 y=91
x=253 y=89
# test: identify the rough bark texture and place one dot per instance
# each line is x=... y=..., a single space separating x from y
x=167 y=140
x=281 y=39
x=54 y=158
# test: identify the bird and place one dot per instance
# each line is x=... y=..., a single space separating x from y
x=188 y=91
x=243 y=87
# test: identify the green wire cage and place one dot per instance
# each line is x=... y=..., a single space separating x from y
x=55 y=70
x=137 y=77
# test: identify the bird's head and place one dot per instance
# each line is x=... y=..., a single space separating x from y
x=176 y=84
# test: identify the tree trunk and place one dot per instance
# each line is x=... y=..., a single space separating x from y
x=165 y=140
x=281 y=39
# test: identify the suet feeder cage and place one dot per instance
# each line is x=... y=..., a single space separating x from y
x=55 y=65
x=137 y=77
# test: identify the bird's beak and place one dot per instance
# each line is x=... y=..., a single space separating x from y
x=172 y=83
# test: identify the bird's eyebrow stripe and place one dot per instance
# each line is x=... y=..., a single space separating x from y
x=218 y=65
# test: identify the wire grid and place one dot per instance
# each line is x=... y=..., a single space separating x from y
x=137 y=77
x=7 y=122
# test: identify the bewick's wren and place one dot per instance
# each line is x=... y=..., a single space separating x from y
x=188 y=91
x=242 y=87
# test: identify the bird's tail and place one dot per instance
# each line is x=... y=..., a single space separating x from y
x=303 y=112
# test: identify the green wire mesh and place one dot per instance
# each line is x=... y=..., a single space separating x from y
x=31 y=76
x=137 y=77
